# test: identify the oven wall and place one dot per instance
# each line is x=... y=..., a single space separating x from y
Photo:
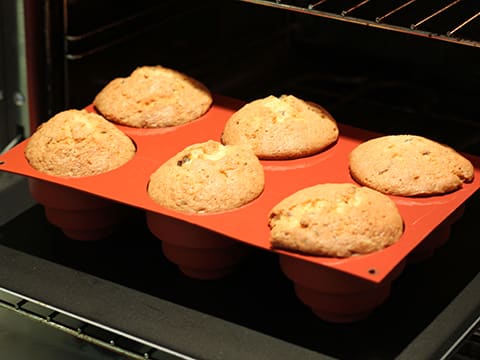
x=389 y=82
x=222 y=43
x=14 y=104
x=13 y=83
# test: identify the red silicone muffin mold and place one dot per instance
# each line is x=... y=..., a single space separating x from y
x=198 y=252
x=211 y=245
x=335 y=296
x=80 y=215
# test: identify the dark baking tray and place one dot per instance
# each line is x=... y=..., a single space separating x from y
x=124 y=282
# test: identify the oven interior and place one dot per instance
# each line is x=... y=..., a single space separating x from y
x=401 y=67
x=388 y=81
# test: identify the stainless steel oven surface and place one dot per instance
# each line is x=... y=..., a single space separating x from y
x=407 y=66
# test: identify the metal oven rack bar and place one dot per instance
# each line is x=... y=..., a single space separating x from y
x=127 y=322
x=454 y=21
x=84 y=329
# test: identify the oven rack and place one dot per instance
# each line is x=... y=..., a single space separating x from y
x=467 y=347
x=454 y=21
x=97 y=334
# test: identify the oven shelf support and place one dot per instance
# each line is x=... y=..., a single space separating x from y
x=449 y=34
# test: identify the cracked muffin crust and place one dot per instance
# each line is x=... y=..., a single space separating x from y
x=153 y=97
x=208 y=177
x=335 y=219
x=409 y=165
x=284 y=127
x=77 y=143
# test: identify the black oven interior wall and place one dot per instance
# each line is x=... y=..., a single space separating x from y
x=370 y=78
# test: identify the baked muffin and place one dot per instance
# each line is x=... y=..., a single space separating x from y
x=284 y=127
x=409 y=165
x=208 y=177
x=337 y=220
x=153 y=97
x=77 y=143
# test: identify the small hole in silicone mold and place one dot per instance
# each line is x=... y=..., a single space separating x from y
x=372 y=271
x=2 y=162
